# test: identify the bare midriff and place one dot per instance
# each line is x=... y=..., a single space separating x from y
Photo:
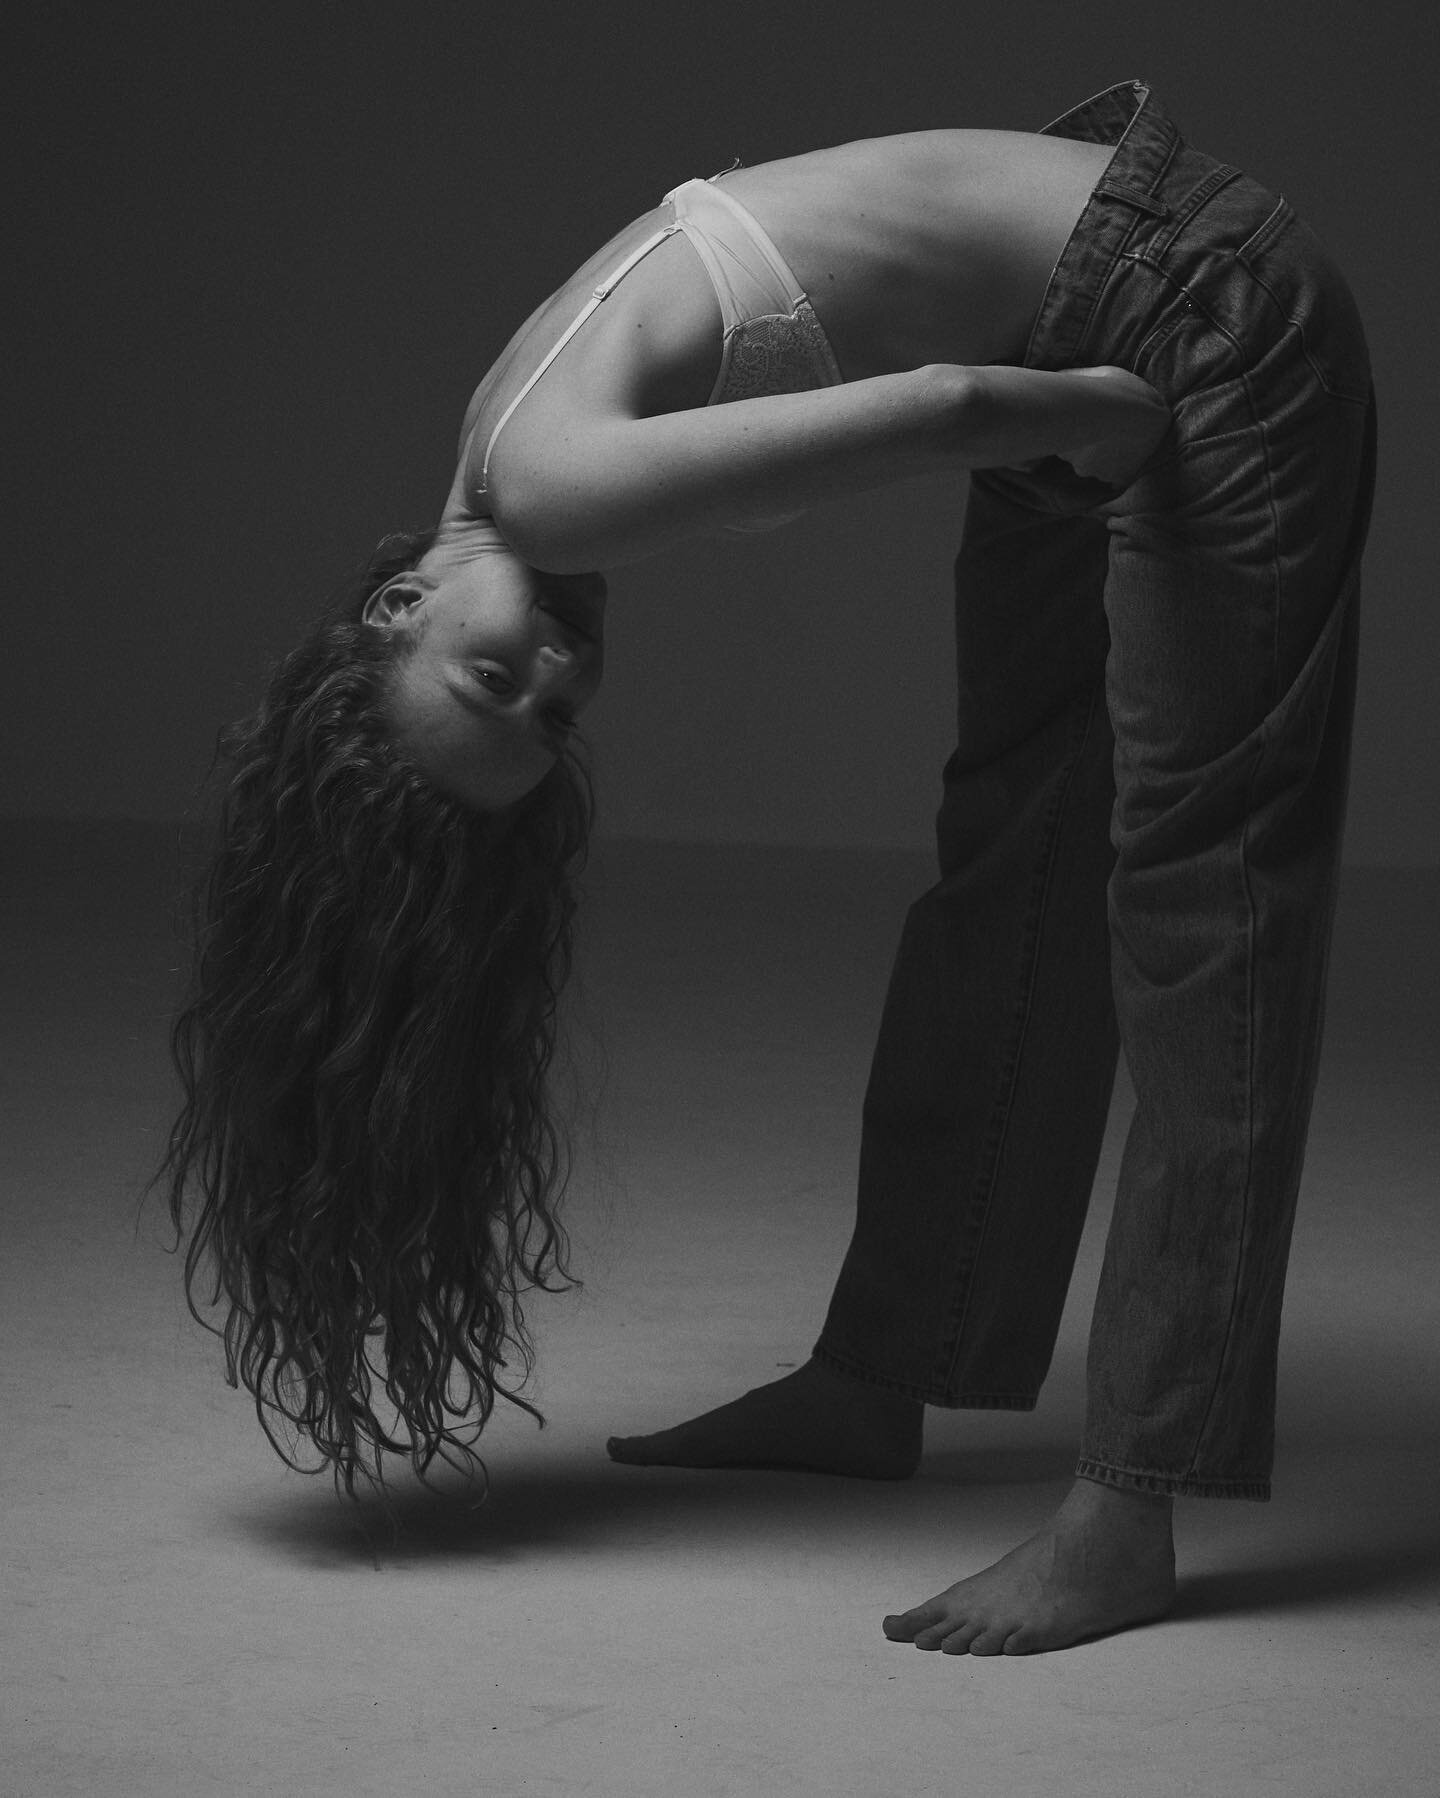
x=932 y=247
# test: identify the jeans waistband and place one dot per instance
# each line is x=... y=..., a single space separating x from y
x=1152 y=186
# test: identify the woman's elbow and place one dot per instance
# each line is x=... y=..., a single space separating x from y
x=957 y=406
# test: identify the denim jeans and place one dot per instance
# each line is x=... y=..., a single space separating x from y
x=1139 y=844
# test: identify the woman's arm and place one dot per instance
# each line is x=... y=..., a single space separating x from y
x=597 y=493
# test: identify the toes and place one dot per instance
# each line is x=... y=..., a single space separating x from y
x=989 y=1638
x=906 y=1626
x=960 y=1636
x=934 y=1626
x=939 y=1632
x=625 y=1448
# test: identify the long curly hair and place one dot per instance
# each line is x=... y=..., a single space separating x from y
x=368 y=1161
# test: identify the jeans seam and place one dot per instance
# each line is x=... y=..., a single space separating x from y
x=1195 y=302
x=1280 y=215
x=966 y=1273
x=922 y=1390
x=1349 y=395
x=1191 y=207
x=1113 y=1473
x=1248 y=255
x=1247 y=1193
x=1101 y=288
x=1104 y=279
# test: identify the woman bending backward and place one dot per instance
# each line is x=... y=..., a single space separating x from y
x=1158 y=386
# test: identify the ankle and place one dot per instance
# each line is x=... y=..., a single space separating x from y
x=879 y=1399
x=1097 y=1497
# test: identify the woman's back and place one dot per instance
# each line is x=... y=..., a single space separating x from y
x=934 y=246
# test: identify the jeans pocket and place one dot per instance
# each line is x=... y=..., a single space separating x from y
x=1184 y=349
x=1295 y=277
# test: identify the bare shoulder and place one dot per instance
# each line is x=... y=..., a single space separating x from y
x=652 y=346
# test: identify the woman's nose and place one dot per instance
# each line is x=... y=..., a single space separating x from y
x=566 y=674
x=555 y=665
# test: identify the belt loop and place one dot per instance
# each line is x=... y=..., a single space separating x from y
x=1130 y=196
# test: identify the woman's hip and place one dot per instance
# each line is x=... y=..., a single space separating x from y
x=1189 y=273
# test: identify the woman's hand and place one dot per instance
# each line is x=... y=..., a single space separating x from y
x=1124 y=422
x=1105 y=422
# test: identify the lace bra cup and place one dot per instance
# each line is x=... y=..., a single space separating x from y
x=773 y=342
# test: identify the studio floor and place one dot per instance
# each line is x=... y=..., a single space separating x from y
x=183 y=1616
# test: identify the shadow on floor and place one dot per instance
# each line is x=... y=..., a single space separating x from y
x=1315 y=1579
x=1322 y=1546
x=579 y=1499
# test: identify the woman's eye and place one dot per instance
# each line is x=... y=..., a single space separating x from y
x=495 y=680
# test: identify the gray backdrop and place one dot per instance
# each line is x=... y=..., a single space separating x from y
x=264 y=255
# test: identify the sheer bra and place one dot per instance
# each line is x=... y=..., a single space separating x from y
x=773 y=342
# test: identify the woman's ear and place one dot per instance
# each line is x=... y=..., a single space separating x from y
x=395 y=600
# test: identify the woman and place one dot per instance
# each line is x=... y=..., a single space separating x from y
x=1161 y=387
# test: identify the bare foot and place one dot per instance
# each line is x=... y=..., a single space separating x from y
x=812 y=1421
x=1104 y=1561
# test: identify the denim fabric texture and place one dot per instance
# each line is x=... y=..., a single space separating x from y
x=1139 y=844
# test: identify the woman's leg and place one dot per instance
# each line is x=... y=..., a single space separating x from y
x=992 y=1075
x=1233 y=599
x=993 y=1070
x=1234 y=605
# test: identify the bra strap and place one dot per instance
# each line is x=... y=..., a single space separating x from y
x=597 y=295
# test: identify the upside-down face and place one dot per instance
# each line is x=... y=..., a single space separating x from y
x=504 y=659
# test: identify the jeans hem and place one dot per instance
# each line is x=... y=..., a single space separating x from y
x=1164 y=1485
x=927 y=1394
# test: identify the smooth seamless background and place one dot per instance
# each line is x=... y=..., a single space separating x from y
x=266 y=252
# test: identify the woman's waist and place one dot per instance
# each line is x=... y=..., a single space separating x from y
x=957 y=279
x=1227 y=278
